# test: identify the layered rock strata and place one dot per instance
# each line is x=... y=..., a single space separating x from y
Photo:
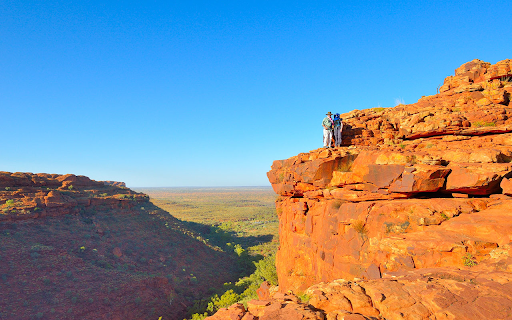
x=438 y=293
x=28 y=195
x=420 y=186
x=410 y=219
x=413 y=213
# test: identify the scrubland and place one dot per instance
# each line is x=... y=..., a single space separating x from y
x=237 y=220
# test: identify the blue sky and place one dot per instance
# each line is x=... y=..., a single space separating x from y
x=209 y=93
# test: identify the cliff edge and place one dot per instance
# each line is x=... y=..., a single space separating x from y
x=410 y=219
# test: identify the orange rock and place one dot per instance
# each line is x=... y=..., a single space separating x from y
x=421 y=188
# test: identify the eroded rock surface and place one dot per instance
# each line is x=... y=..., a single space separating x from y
x=28 y=196
x=410 y=219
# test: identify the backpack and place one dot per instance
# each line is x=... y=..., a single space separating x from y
x=336 y=119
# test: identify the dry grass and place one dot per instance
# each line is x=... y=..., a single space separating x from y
x=360 y=227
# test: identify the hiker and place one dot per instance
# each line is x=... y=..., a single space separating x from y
x=327 y=124
x=337 y=129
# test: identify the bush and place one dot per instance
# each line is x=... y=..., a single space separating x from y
x=483 y=124
x=360 y=227
x=243 y=291
x=469 y=260
x=228 y=298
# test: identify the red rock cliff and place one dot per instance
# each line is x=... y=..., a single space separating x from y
x=418 y=192
x=28 y=195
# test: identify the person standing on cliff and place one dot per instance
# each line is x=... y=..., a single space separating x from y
x=337 y=129
x=327 y=124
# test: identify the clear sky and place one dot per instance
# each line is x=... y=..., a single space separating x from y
x=209 y=93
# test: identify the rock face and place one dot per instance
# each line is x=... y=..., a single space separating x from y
x=414 y=211
x=28 y=195
x=74 y=248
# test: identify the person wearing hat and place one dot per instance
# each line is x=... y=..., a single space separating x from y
x=327 y=124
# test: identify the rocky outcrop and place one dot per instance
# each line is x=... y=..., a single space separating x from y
x=413 y=212
x=410 y=219
x=421 y=294
x=475 y=101
x=114 y=183
x=28 y=195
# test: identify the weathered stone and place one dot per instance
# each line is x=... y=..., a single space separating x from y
x=482 y=179
x=423 y=188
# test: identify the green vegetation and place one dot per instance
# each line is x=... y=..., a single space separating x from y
x=70 y=187
x=242 y=291
x=479 y=124
x=469 y=260
x=304 y=297
x=9 y=203
x=378 y=109
x=126 y=197
x=241 y=221
x=222 y=236
x=244 y=216
x=506 y=80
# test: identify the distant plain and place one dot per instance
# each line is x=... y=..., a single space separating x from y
x=244 y=215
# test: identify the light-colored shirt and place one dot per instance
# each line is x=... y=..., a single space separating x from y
x=327 y=122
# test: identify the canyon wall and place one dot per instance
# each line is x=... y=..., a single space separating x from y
x=75 y=248
x=29 y=196
x=410 y=219
x=416 y=186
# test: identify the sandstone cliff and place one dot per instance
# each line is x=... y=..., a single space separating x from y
x=27 y=196
x=75 y=248
x=410 y=219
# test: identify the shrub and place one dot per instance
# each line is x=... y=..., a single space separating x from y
x=228 y=298
x=479 y=124
x=336 y=204
x=70 y=187
x=199 y=316
x=244 y=290
x=360 y=227
x=304 y=297
x=9 y=202
x=469 y=260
